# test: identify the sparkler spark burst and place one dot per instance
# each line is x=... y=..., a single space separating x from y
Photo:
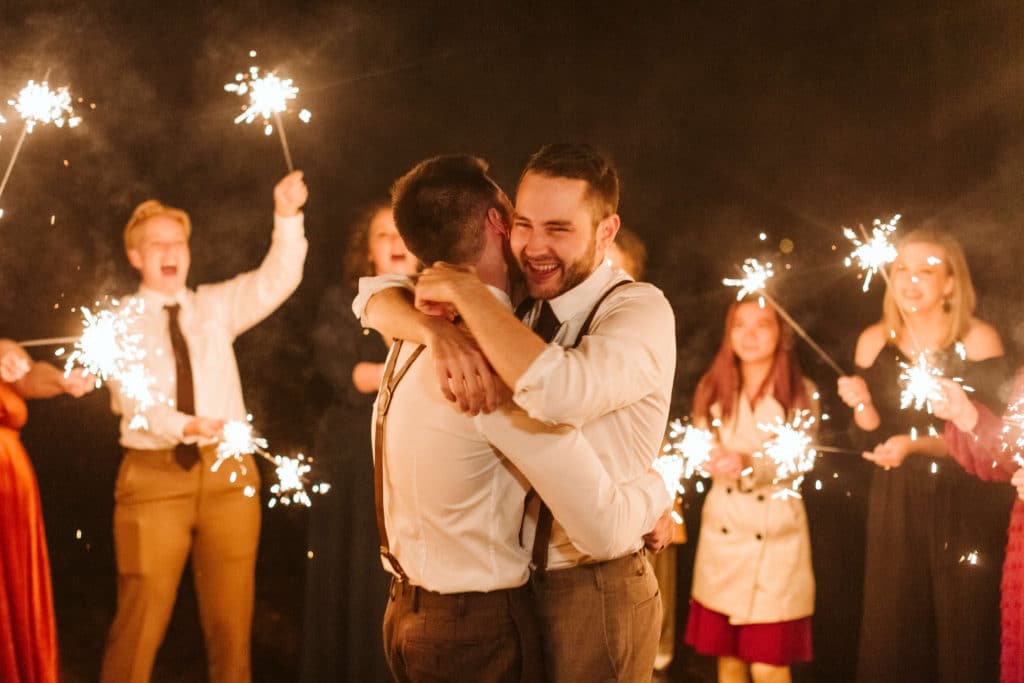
x=36 y=103
x=239 y=440
x=755 y=278
x=107 y=349
x=268 y=95
x=920 y=383
x=877 y=252
x=790 y=449
x=692 y=446
x=670 y=467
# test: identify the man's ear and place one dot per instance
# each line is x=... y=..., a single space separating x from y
x=135 y=258
x=497 y=222
x=607 y=229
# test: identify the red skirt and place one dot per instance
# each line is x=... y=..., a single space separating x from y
x=779 y=643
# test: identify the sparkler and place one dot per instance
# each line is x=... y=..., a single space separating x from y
x=920 y=382
x=37 y=104
x=755 y=280
x=107 y=348
x=692 y=446
x=876 y=251
x=790 y=449
x=239 y=440
x=269 y=95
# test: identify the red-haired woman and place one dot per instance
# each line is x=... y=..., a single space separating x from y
x=935 y=536
x=28 y=633
x=753 y=586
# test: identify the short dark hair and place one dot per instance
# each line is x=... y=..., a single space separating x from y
x=581 y=162
x=441 y=205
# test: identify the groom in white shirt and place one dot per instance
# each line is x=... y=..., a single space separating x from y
x=169 y=505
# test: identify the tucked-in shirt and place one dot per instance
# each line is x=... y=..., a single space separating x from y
x=455 y=488
x=753 y=560
x=211 y=318
x=616 y=385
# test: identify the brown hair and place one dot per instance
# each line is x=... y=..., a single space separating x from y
x=721 y=384
x=441 y=206
x=150 y=209
x=580 y=162
x=356 y=262
x=961 y=302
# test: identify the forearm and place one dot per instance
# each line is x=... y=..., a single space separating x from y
x=391 y=312
x=932 y=446
x=41 y=381
x=867 y=418
x=510 y=346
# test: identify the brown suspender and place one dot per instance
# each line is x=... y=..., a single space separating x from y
x=542 y=538
x=384 y=394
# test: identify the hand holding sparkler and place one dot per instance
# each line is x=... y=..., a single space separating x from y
x=290 y=195
x=953 y=405
x=725 y=463
x=204 y=427
x=14 y=362
x=892 y=452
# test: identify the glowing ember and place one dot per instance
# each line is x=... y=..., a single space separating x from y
x=239 y=440
x=268 y=94
x=790 y=446
x=670 y=467
x=920 y=382
x=755 y=278
x=36 y=103
x=107 y=349
x=877 y=252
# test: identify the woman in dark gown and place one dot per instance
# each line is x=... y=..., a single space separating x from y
x=346 y=587
x=28 y=631
x=935 y=536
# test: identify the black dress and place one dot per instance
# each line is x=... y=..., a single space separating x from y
x=935 y=543
x=346 y=587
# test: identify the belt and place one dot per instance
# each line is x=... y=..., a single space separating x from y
x=456 y=603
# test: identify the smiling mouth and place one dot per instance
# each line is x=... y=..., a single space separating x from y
x=543 y=270
x=169 y=270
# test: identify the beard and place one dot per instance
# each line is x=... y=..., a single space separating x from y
x=573 y=273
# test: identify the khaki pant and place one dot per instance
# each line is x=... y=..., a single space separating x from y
x=599 y=622
x=482 y=637
x=162 y=515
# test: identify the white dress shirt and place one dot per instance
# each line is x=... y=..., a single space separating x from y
x=753 y=559
x=616 y=385
x=211 y=317
x=455 y=488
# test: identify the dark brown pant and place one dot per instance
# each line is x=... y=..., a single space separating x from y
x=485 y=637
x=599 y=622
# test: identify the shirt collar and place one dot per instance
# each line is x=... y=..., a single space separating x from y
x=581 y=298
x=155 y=301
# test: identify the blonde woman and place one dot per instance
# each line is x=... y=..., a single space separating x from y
x=935 y=536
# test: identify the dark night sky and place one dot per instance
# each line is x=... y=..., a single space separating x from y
x=725 y=119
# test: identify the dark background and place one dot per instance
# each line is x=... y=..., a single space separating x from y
x=725 y=120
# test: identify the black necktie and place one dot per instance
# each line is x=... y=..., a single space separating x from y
x=546 y=323
x=186 y=454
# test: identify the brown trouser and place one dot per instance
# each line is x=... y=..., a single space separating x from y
x=162 y=514
x=599 y=622
x=481 y=637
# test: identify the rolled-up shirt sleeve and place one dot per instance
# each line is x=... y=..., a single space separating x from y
x=602 y=518
x=627 y=355
x=368 y=286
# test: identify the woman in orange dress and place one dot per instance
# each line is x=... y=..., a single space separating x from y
x=28 y=634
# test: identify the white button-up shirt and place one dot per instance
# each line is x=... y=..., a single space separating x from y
x=616 y=385
x=211 y=317
x=455 y=488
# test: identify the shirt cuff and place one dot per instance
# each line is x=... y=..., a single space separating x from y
x=368 y=286
x=290 y=226
x=531 y=389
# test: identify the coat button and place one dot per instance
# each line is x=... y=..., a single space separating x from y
x=724 y=530
x=728 y=489
x=760 y=497
x=759 y=537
